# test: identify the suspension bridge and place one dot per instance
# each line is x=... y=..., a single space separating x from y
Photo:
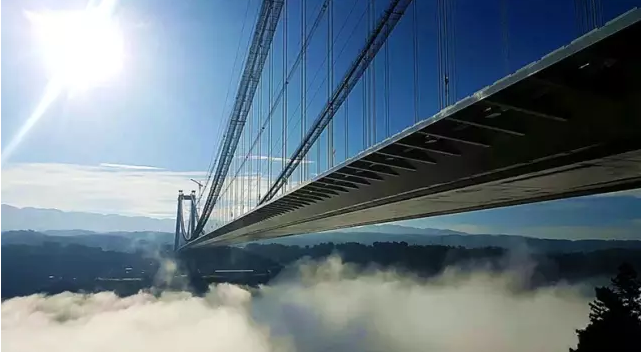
x=350 y=113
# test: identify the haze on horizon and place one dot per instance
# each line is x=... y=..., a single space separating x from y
x=606 y=216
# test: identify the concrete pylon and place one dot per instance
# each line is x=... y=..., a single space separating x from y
x=179 y=221
x=190 y=233
x=193 y=219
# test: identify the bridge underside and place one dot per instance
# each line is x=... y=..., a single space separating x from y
x=567 y=125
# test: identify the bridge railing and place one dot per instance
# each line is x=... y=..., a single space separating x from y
x=440 y=52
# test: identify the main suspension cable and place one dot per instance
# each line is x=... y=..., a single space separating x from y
x=374 y=42
x=295 y=66
x=210 y=168
x=261 y=42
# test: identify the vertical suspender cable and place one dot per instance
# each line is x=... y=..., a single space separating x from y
x=237 y=189
x=366 y=83
x=387 y=86
x=415 y=55
x=585 y=20
x=289 y=76
x=329 y=91
x=261 y=42
x=269 y=117
x=370 y=97
x=374 y=80
x=330 y=80
x=251 y=185
x=439 y=54
x=452 y=79
x=318 y=156
x=252 y=177
x=318 y=145
x=232 y=191
x=372 y=45
x=364 y=110
x=244 y=171
x=585 y=26
x=243 y=147
x=577 y=16
x=446 y=42
x=225 y=204
x=597 y=14
x=259 y=166
x=442 y=41
x=346 y=146
x=588 y=15
x=285 y=86
x=240 y=179
x=593 y=14
x=229 y=86
x=303 y=89
x=505 y=36
x=372 y=89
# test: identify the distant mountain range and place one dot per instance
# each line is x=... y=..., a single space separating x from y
x=123 y=233
x=14 y=218
x=131 y=241
x=112 y=241
x=418 y=236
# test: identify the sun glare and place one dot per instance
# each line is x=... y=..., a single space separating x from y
x=80 y=49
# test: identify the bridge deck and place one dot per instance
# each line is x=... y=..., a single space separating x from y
x=566 y=125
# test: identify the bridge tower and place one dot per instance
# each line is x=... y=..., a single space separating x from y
x=189 y=232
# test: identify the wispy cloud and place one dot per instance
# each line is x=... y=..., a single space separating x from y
x=274 y=159
x=131 y=190
x=145 y=191
x=130 y=167
x=468 y=228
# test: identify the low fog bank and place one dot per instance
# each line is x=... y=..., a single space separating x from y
x=314 y=306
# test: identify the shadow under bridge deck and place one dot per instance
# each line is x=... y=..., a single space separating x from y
x=567 y=125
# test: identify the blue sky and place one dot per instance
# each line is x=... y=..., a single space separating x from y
x=165 y=110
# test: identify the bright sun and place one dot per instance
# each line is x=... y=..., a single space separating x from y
x=81 y=49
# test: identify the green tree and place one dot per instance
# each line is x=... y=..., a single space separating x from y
x=615 y=317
